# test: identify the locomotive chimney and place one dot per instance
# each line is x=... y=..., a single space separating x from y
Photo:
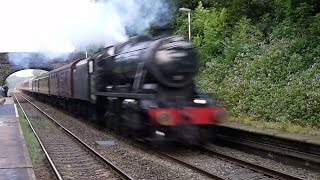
x=164 y=30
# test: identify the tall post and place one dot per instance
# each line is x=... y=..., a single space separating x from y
x=189 y=21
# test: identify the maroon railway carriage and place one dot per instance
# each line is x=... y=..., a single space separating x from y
x=58 y=83
x=61 y=81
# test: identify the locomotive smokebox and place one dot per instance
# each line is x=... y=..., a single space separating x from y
x=175 y=62
x=170 y=61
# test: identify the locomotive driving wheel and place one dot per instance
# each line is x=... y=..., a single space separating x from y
x=112 y=121
x=129 y=123
x=134 y=123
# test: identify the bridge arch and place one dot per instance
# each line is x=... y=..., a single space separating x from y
x=36 y=61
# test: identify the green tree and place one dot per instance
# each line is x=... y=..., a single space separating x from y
x=262 y=57
x=38 y=72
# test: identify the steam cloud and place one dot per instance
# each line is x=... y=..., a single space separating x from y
x=58 y=26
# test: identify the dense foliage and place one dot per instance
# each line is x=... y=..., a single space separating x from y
x=261 y=56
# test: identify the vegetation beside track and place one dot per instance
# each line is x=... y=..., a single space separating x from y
x=34 y=149
x=283 y=126
x=261 y=57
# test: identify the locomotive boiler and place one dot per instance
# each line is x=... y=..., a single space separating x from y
x=171 y=62
x=142 y=88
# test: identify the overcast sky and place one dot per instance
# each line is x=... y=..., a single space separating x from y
x=24 y=73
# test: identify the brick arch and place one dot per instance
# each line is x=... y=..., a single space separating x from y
x=36 y=62
x=5 y=74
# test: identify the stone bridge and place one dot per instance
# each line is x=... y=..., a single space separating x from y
x=13 y=62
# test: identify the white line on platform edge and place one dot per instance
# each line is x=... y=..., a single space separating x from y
x=16 y=110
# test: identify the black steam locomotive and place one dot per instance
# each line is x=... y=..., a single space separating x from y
x=142 y=88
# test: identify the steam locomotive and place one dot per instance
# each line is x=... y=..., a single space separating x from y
x=142 y=88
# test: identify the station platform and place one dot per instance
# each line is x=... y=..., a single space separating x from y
x=273 y=132
x=15 y=163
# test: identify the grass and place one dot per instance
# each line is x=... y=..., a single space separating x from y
x=44 y=125
x=34 y=149
x=286 y=126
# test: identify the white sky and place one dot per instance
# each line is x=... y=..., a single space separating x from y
x=57 y=26
x=54 y=25
x=24 y=73
x=29 y=26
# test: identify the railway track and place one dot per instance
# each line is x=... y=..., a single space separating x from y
x=287 y=151
x=68 y=155
x=245 y=170
x=254 y=170
x=246 y=164
x=190 y=166
x=190 y=160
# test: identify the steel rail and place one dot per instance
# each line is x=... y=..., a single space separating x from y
x=142 y=145
x=279 y=148
x=206 y=173
x=246 y=164
x=285 y=151
x=122 y=174
x=56 y=172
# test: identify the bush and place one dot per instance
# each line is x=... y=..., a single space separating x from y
x=266 y=69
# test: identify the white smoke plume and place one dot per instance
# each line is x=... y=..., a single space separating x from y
x=58 y=26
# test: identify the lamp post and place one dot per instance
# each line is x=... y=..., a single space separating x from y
x=189 y=19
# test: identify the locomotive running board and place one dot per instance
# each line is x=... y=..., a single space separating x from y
x=126 y=95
